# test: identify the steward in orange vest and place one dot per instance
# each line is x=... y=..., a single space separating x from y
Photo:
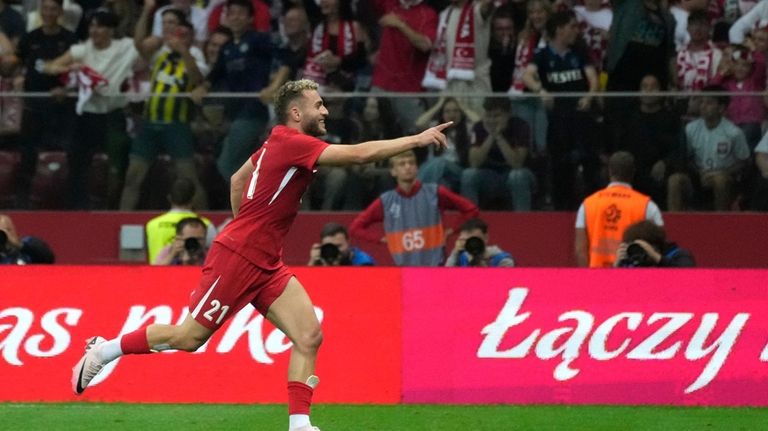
x=604 y=215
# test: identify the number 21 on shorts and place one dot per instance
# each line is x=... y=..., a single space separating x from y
x=215 y=307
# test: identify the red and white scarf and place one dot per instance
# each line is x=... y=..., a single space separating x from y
x=86 y=80
x=462 y=62
x=597 y=44
x=695 y=69
x=346 y=43
x=523 y=57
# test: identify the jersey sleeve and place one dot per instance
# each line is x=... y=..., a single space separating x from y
x=304 y=150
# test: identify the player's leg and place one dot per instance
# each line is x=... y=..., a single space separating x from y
x=293 y=313
x=188 y=336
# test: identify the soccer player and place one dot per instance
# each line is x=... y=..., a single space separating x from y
x=245 y=265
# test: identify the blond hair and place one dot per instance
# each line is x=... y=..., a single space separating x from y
x=404 y=155
x=289 y=92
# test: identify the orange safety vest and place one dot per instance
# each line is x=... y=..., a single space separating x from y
x=608 y=212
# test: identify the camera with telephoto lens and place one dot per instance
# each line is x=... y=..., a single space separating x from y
x=475 y=246
x=476 y=249
x=636 y=257
x=192 y=245
x=329 y=252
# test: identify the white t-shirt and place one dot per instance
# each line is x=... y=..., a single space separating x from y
x=197 y=17
x=718 y=148
x=600 y=19
x=115 y=63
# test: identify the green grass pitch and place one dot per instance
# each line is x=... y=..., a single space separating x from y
x=334 y=417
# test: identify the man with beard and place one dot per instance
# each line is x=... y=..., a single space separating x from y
x=245 y=265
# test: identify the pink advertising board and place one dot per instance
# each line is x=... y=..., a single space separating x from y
x=551 y=336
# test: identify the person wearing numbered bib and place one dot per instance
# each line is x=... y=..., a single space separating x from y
x=411 y=216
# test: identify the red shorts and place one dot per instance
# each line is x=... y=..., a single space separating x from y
x=230 y=282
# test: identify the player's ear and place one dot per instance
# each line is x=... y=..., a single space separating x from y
x=295 y=113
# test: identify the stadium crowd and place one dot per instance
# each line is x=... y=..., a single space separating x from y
x=107 y=129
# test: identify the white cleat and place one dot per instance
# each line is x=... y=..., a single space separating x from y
x=306 y=428
x=88 y=366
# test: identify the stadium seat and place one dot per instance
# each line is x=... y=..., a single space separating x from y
x=10 y=162
x=49 y=185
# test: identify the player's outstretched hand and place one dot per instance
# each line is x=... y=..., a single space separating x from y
x=434 y=135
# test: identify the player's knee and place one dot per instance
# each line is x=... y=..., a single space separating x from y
x=309 y=341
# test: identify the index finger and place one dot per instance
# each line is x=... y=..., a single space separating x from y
x=443 y=126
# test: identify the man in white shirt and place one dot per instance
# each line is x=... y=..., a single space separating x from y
x=717 y=151
x=100 y=66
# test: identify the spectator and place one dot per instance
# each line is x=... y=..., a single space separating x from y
x=377 y=123
x=216 y=40
x=644 y=244
x=759 y=197
x=698 y=61
x=161 y=230
x=563 y=67
x=334 y=249
x=532 y=37
x=459 y=60
x=681 y=11
x=595 y=19
x=497 y=159
x=445 y=167
x=717 y=151
x=46 y=122
x=69 y=17
x=210 y=125
x=411 y=215
x=11 y=22
x=653 y=137
x=748 y=21
x=177 y=67
x=194 y=14
x=604 y=215
x=21 y=251
x=188 y=246
x=473 y=249
x=407 y=35
x=243 y=66
x=501 y=50
x=641 y=43
x=292 y=51
x=740 y=74
x=101 y=66
x=259 y=21
x=338 y=46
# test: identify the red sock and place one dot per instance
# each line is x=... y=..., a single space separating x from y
x=135 y=343
x=299 y=398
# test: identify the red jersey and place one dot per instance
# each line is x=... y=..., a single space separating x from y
x=284 y=167
x=399 y=65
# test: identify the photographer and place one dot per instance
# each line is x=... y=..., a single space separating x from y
x=21 y=251
x=644 y=244
x=188 y=248
x=472 y=250
x=334 y=249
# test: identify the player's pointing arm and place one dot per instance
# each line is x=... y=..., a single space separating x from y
x=372 y=151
